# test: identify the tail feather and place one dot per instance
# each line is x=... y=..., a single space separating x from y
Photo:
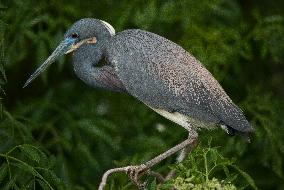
x=232 y=116
x=232 y=132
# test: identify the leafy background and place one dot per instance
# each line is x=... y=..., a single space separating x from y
x=61 y=134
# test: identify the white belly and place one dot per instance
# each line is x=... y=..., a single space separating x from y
x=184 y=120
x=176 y=117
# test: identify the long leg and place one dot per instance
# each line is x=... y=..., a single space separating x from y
x=135 y=171
x=184 y=152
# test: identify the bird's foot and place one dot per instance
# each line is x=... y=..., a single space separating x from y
x=135 y=172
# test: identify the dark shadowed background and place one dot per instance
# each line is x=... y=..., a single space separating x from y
x=59 y=133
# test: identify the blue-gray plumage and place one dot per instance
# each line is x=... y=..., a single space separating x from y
x=153 y=69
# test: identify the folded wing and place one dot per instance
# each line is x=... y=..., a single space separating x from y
x=163 y=75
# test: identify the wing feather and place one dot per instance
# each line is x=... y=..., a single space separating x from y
x=163 y=75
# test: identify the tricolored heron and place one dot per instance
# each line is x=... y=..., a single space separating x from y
x=154 y=70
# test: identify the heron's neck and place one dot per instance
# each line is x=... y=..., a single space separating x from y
x=84 y=61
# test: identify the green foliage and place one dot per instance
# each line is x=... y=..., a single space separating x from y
x=3 y=78
x=203 y=167
x=24 y=165
x=60 y=134
x=210 y=184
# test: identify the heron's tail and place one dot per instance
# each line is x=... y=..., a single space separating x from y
x=233 y=120
x=232 y=132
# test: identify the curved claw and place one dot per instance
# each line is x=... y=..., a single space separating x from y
x=135 y=172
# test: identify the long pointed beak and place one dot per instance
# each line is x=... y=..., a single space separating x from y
x=61 y=49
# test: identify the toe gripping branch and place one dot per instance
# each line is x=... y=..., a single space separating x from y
x=135 y=172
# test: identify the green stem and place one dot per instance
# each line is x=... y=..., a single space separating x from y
x=206 y=167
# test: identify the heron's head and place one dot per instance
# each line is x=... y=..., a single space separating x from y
x=84 y=31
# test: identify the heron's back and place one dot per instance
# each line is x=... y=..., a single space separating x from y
x=165 y=76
